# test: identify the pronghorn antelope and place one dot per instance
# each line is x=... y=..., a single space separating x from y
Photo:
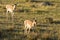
x=29 y=24
x=10 y=8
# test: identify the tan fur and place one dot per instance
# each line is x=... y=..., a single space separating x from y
x=10 y=8
x=28 y=25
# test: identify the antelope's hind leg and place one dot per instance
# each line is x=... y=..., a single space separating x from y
x=25 y=29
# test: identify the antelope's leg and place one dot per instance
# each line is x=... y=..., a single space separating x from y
x=25 y=29
x=7 y=15
x=29 y=30
x=12 y=16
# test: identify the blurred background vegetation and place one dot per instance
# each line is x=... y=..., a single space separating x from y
x=46 y=29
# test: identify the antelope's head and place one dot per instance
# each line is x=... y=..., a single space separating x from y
x=14 y=6
x=34 y=22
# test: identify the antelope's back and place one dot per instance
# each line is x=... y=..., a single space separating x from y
x=28 y=22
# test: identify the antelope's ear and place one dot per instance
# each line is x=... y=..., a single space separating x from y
x=16 y=3
x=34 y=19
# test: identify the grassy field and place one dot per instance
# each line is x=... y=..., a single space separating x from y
x=44 y=30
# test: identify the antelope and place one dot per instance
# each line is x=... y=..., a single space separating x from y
x=10 y=8
x=29 y=24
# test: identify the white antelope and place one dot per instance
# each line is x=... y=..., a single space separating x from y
x=28 y=25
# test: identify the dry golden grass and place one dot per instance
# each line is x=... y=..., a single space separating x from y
x=27 y=10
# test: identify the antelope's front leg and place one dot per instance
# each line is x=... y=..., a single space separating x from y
x=25 y=29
